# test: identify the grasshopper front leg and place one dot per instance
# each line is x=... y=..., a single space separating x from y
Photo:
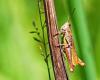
x=58 y=33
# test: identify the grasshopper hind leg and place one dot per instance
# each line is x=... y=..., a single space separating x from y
x=69 y=58
x=71 y=67
x=80 y=62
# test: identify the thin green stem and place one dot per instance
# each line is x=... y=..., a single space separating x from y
x=44 y=44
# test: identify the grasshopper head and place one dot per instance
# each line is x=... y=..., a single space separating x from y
x=65 y=27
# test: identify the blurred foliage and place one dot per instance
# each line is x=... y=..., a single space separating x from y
x=20 y=57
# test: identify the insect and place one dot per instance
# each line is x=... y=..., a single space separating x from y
x=68 y=46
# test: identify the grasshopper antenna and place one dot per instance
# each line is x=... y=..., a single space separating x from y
x=72 y=14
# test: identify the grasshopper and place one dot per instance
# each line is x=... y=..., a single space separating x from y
x=68 y=46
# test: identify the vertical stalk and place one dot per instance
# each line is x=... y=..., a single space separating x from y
x=45 y=48
x=83 y=37
x=56 y=55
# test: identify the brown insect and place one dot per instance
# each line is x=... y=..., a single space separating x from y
x=68 y=46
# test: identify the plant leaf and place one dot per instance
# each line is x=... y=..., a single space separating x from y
x=33 y=32
x=34 y=24
x=36 y=39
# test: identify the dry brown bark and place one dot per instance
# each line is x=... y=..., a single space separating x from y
x=56 y=54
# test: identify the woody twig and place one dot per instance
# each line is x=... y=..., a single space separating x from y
x=56 y=54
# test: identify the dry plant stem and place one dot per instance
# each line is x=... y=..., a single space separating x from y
x=56 y=55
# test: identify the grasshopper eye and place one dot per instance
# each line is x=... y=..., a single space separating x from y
x=69 y=24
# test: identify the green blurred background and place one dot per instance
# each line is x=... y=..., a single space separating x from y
x=20 y=57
